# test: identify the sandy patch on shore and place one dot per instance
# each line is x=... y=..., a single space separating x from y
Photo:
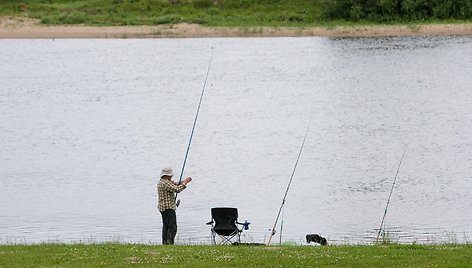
x=15 y=27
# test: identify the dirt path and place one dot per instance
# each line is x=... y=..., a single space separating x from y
x=14 y=27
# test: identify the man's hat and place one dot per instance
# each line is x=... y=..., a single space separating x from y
x=167 y=172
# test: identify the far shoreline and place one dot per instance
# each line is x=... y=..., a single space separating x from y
x=18 y=28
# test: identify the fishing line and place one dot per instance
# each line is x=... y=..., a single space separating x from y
x=194 y=123
x=390 y=195
x=290 y=182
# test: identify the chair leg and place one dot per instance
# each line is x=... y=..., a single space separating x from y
x=213 y=238
x=227 y=239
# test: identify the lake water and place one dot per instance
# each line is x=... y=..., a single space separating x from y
x=87 y=126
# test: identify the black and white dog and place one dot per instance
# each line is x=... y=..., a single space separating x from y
x=317 y=239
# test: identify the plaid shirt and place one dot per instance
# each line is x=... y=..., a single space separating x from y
x=165 y=194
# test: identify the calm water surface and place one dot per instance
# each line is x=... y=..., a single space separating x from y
x=87 y=125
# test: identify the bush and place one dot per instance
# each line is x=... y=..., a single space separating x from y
x=203 y=3
x=399 y=10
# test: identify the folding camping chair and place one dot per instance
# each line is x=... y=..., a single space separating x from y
x=224 y=225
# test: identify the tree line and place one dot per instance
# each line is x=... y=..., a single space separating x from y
x=397 y=10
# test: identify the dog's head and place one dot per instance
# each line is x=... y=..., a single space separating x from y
x=323 y=241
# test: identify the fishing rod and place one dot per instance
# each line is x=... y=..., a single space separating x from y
x=290 y=182
x=390 y=195
x=281 y=226
x=194 y=123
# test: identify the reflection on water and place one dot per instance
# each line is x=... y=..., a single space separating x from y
x=86 y=126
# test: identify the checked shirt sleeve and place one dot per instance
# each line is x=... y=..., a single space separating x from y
x=171 y=186
x=166 y=190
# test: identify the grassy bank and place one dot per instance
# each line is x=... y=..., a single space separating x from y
x=105 y=255
x=154 y=12
x=230 y=13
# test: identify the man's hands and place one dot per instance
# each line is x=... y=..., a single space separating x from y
x=187 y=180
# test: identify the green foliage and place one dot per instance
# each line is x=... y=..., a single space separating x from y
x=396 y=10
x=74 y=17
x=253 y=13
x=151 y=12
x=167 y=19
x=203 y=3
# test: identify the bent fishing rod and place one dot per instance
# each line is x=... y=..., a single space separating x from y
x=289 y=183
x=194 y=123
x=390 y=195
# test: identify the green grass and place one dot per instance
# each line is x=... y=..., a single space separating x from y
x=231 y=13
x=130 y=255
x=151 y=12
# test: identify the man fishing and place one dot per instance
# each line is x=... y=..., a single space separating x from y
x=166 y=203
x=166 y=187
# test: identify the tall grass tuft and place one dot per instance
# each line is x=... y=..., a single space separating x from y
x=167 y=19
